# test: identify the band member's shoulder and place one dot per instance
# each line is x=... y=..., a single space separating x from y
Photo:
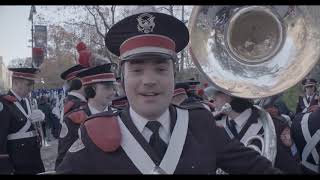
x=7 y=98
x=191 y=106
x=103 y=130
x=72 y=104
x=77 y=115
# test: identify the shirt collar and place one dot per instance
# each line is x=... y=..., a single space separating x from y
x=243 y=117
x=94 y=110
x=78 y=95
x=141 y=122
x=16 y=95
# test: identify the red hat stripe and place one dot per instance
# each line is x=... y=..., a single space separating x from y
x=98 y=78
x=72 y=75
x=148 y=40
x=24 y=75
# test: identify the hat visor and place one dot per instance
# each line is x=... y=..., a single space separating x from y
x=149 y=56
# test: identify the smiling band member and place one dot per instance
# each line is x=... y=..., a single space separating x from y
x=151 y=136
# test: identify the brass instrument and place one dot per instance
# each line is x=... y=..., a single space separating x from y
x=255 y=52
x=37 y=125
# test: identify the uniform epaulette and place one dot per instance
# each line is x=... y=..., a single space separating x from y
x=104 y=114
x=209 y=104
x=9 y=98
x=77 y=116
x=192 y=106
x=71 y=105
x=104 y=131
x=68 y=106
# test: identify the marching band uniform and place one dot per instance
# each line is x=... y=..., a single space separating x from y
x=74 y=118
x=188 y=141
x=306 y=134
x=197 y=154
x=73 y=110
x=246 y=125
x=305 y=101
x=19 y=143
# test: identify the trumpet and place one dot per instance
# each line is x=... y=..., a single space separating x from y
x=37 y=124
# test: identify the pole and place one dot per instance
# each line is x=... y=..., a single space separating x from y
x=32 y=41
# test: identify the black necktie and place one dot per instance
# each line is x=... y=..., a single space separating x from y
x=158 y=145
x=24 y=105
x=232 y=126
x=308 y=99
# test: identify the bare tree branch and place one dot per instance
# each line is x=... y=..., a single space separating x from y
x=97 y=43
x=79 y=24
x=103 y=18
x=171 y=10
x=113 y=9
x=160 y=8
x=95 y=21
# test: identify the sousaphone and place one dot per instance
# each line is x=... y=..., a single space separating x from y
x=255 y=51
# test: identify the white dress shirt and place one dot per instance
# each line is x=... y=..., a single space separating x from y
x=310 y=98
x=141 y=122
x=94 y=110
x=242 y=119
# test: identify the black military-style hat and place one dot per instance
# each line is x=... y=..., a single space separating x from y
x=120 y=101
x=180 y=88
x=147 y=33
x=25 y=73
x=192 y=84
x=102 y=73
x=70 y=73
x=309 y=82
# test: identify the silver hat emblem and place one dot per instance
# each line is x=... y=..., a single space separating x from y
x=145 y=23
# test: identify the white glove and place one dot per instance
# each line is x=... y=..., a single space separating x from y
x=56 y=112
x=37 y=116
x=225 y=109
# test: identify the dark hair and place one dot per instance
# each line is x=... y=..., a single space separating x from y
x=89 y=91
x=239 y=104
x=75 y=84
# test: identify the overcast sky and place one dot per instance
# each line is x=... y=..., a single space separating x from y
x=15 y=31
x=15 y=28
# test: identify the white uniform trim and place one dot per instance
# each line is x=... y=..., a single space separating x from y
x=311 y=143
x=252 y=130
x=206 y=106
x=22 y=133
x=305 y=102
x=172 y=156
